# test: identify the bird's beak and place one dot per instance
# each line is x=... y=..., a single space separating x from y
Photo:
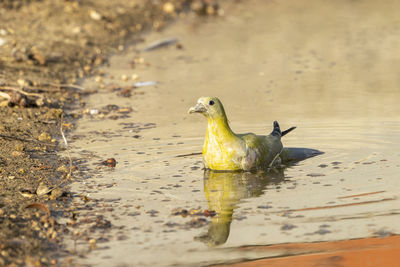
x=199 y=108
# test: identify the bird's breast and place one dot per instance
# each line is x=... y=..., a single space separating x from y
x=220 y=154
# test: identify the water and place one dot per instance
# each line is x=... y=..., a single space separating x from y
x=329 y=68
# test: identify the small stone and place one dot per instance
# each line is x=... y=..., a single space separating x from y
x=168 y=8
x=315 y=174
x=111 y=162
x=42 y=189
x=54 y=113
x=16 y=154
x=287 y=227
x=44 y=137
x=92 y=243
x=93 y=111
x=210 y=10
x=4 y=103
x=63 y=169
x=94 y=15
x=38 y=56
x=98 y=79
x=23 y=82
x=39 y=102
x=124 y=77
x=27 y=192
x=56 y=193
x=135 y=77
x=76 y=30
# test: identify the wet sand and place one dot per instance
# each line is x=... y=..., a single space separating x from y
x=313 y=65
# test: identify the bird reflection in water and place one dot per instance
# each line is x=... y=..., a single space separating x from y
x=225 y=190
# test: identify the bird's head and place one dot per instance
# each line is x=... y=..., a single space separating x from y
x=210 y=107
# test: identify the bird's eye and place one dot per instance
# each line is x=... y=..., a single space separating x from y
x=211 y=102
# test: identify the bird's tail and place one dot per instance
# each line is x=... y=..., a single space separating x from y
x=285 y=132
x=277 y=130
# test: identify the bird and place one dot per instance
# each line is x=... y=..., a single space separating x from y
x=224 y=150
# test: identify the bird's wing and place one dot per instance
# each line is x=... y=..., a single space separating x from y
x=262 y=149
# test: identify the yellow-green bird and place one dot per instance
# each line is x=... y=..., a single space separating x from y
x=224 y=150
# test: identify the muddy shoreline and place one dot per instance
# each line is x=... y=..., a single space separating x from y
x=46 y=49
x=80 y=69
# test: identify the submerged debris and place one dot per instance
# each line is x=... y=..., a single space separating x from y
x=315 y=174
x=193 y=212
x=197 y=222
x=141 y=84
x=161 y=43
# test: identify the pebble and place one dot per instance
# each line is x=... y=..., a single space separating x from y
x=92 y=243
x=4 y=103
x=42 y=189
x=56 y=193
x=135 y=77
x=287 y=227
x=44 y=137
x=63 y=169
x=168 y=8
x=94 y=15
x=315 y=174
x=16 y=154
x=94 y=111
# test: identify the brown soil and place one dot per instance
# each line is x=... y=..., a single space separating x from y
x=357 y=252
x=45 y=48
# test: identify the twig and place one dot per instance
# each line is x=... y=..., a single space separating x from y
x=20 y=91
x=40 y=87
x=39 y=206
x=63 y=85
x=25 y=139
x=66 y=146
x=188 y=155
x=160 y=43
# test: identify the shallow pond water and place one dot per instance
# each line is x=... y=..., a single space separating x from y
x=308 y=64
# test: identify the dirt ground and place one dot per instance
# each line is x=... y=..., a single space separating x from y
x=46 y=48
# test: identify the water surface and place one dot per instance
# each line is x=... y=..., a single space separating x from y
x=329 y=68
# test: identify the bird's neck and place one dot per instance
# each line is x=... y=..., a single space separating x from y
x=219 y=127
